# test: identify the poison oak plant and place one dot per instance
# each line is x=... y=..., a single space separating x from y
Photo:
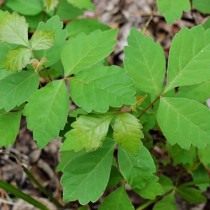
x=59 y=79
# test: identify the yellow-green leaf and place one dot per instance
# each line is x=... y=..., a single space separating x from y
x=127 y=132
x=88 y=133
x=13 y=29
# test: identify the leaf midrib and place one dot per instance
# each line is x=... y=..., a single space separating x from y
x=182 y=71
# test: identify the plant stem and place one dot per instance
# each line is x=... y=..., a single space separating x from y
x=148 y=203
x=36 y=182
x=41 y=188
x=150 y=105
x=145 y=205
x=18 y=193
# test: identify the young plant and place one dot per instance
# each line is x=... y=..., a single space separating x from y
x=60 y=80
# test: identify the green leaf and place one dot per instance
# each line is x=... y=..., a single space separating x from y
x=4 y=74
x=16 y=88
x=13 y=29
x=206 y=23
x=151 y=190
x=47 y=112
x=188 y=59
x=145 y=69
x=88 y=133
x=191 y=195
x=66 y=157
x=138 y=169
x=203 y=155
x=82 y=4
x=201 y=178
x=184 y=122
x=85 y=51
x=177 y=154
x=127 y=132
x=50 y=5
x=168 y=202
x=9 y=127
x=42 y=40
x=33 y=21
x=172 y=10
x=166 y=183
x=101 y=87
x=67 y=11
x=115 y=178
x=86 y=176
x=86 y=26
x=25 y=7
x=53 y=26
x=17 y=59
x=201 y=5
x=198 y=92
x=20 y=194
x=4 y=49
x=117 y=200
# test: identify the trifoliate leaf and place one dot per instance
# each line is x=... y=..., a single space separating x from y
x=16 y=88
x=184 y=122
x=85 y=51
x=168 y=202
x=86 y=176
x=117 y=200
x=25 y=7
x=201 y=5
x=88 y=133
x=86 y=26
x=17 y=59
x=101 y=87
x=188 y=59
x=54 y=27
x=146 y=70
x=42 y=40
x=50 y=5
x=82 y=4
x=138 y=169
x=47 y=112
x=127 y=132
x=172 y=10
x=9 y=127
x=13 y=29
